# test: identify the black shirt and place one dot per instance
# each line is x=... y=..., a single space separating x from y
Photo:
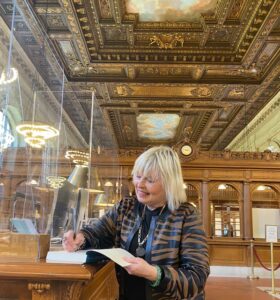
x=134 y=286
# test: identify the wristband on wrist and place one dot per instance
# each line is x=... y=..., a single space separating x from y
x=158 y=280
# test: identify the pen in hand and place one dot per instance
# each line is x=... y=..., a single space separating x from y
x=74 y=220
x=72 y=241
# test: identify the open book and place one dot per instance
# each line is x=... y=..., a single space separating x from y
x=89 y=256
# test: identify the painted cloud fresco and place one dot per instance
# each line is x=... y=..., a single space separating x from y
x=157 y=126
x=172 y=11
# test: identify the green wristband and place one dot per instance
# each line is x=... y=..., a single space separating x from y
x=158 y=280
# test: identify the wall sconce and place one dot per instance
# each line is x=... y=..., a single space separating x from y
x=222 y=186
x=263 y=188
x=32 y=182
x=108 y=183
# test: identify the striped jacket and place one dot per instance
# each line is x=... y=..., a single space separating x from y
x=177 y=244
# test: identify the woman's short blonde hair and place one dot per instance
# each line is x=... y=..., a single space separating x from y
x=163 y=162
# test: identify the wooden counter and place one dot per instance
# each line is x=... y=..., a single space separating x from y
x=237 y=252
x=47 y=281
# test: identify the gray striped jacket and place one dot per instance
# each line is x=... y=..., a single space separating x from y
x=177 y=244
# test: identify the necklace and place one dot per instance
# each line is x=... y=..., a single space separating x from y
x=140 y=251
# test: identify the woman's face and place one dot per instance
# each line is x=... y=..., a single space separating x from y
x=149 y=190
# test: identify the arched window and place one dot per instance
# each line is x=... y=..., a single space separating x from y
x=265 y=208
x=225 y=215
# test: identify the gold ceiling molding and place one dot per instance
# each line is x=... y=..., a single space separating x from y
x=163 y=71
x=198 y=71
x=170 y=90
x=237 y=92
x=122 y=90
x=167 y=41
x=105 y=8
x=48 y=10
x=236 y=9
x=252 y=27
x=74 y=28
x=211 y=72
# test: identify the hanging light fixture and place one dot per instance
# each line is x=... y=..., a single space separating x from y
x=8 y=76
x=35 y=133
x=55 y=182
x=78 y=157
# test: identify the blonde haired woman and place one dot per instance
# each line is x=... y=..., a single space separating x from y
x=159 y=228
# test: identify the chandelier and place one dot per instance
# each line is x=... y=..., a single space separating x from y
x=8 y=76
x=55 y=182
x=78 y=157
x=35 y=133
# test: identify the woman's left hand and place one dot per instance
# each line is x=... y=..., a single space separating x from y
x=139 y=267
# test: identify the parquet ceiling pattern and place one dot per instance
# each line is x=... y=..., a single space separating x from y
x=216 y=73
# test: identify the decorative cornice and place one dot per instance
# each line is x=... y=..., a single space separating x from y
x=74 y=28
x=167 y=41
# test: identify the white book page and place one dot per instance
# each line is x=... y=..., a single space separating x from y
x=80 y=257
x=116 y=255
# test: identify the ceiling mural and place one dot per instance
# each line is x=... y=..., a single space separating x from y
x=210 y=65
x=157 y=126
x=170 y=11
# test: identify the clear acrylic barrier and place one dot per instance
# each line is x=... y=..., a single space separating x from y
x=38 y=184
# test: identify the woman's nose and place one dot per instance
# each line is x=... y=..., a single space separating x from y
x=141 y=181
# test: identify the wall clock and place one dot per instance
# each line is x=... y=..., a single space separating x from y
x=186 y=149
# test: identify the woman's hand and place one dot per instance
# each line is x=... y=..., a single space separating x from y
x=72 y=243
x=139 y=267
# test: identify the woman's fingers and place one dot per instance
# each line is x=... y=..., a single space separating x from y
x=139 y=267
x=70 y=242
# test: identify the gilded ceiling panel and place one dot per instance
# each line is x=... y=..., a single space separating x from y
x=238 y=92
x=163 y=71
x=129 y=127
x=55 y=22
x=266 y=54
x=206 y=61
x=171 y=11
x=236 y=9
x=171 y=91
x=105 y=9
x=115 y=33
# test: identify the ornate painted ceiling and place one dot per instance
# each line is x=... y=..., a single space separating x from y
x=205 y=67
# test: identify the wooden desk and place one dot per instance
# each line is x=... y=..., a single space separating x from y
x=45 y=281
